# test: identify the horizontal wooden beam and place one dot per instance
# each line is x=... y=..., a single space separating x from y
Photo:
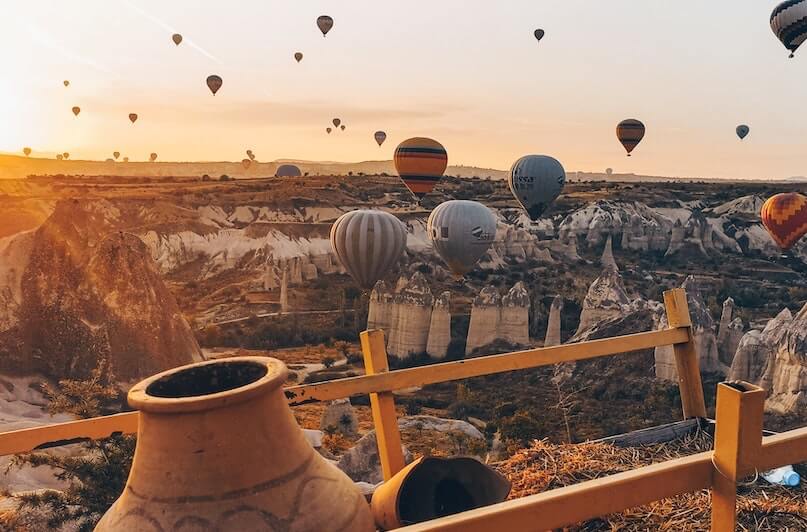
x=485 y=365
x=573 y=504
x=616 y=493
x=25 y=440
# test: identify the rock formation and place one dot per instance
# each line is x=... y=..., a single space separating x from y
x=514 y=320
x=440 y=327
x=379 y=314
x=606 y=299
x=411 y=317
x=484 y=325
x=284 y=292
x=340 y=416
x=83 y=291
x=726 y=317
x=270 y=280
x=607 y=260
x=704 y=336
x=553 y=336
x=776 y=359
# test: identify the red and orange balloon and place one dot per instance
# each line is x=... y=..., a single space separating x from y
x=785 y=218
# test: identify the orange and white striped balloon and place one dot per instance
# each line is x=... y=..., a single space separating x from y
x=421 y=163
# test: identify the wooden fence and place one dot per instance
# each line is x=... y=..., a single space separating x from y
x=739 y=447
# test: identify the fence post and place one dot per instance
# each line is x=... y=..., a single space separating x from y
x=686 y=355
x=382 y=404
x=738 y=442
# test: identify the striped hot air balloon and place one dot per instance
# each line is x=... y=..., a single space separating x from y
x=368 y=244
x=785 y=218
x=630 y=133
x=789 y=23
x=420 y=162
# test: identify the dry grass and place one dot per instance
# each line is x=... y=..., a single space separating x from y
x=545 y=466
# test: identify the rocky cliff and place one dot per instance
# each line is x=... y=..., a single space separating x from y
x=606 y=299
x=776 y=359
x=440 y=327
x=78 y=290
x=411 y=318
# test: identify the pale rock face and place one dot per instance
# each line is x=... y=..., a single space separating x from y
x=645 y=228
x=379 y=315
x=340 y=416
x=310 y=272
x=284 y=291
x=82 y=290
x=270 y=280
x=745 y=205
x=735 y=333
x=776 y=360
x=485 y=314
x=411 y=318
x=607 y=260
x=553 y=328
x=727 y=339
x=361 y=462
x=514 y=322
x=440 y=327
x=606 y=299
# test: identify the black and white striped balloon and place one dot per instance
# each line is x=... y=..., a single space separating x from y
x=789 y=23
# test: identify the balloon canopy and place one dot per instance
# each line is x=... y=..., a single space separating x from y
x=420 y=163
x=380 y=137
x=788 y=22
x=630 y=133
x=461 y=232
x=324 y=23
x=368 y=244
x=214 y=83
x=536 y=181
x=288 y=170
x=177 y=38
x=785 y=218
x=742 y=131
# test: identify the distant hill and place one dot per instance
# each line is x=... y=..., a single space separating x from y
x=17 y=167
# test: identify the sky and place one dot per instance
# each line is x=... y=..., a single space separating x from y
x=468 y=73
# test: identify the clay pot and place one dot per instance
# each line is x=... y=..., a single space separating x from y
x=432 y=487
x=218 y=449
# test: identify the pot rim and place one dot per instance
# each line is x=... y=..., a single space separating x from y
x=275 y=377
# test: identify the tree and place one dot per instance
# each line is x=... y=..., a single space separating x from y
x=97 y=475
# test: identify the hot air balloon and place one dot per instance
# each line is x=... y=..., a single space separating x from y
x=380 y=137
x=66 y=83
x=368 y=244
x=126 y=159
x=742 y=131
x=539 y=34
x=214 y=83
x=336 y=122
x=153 y=157
x=288 y=170
x=133 y=117
x=66 y=155
x=177 y=38
x=420 y=162
x=609 y=171
x=76 y=110
x=788 y=23
x=536 y=181
x=26 y=151
x=328 y=130
x=116 y=154
x=461 y=232
x=250 y=155
x=342 y=127
x=58 y=156
x=785 y=218
x=245 y=163
x=324 y=23
x=298 y=56
x=630 y=133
